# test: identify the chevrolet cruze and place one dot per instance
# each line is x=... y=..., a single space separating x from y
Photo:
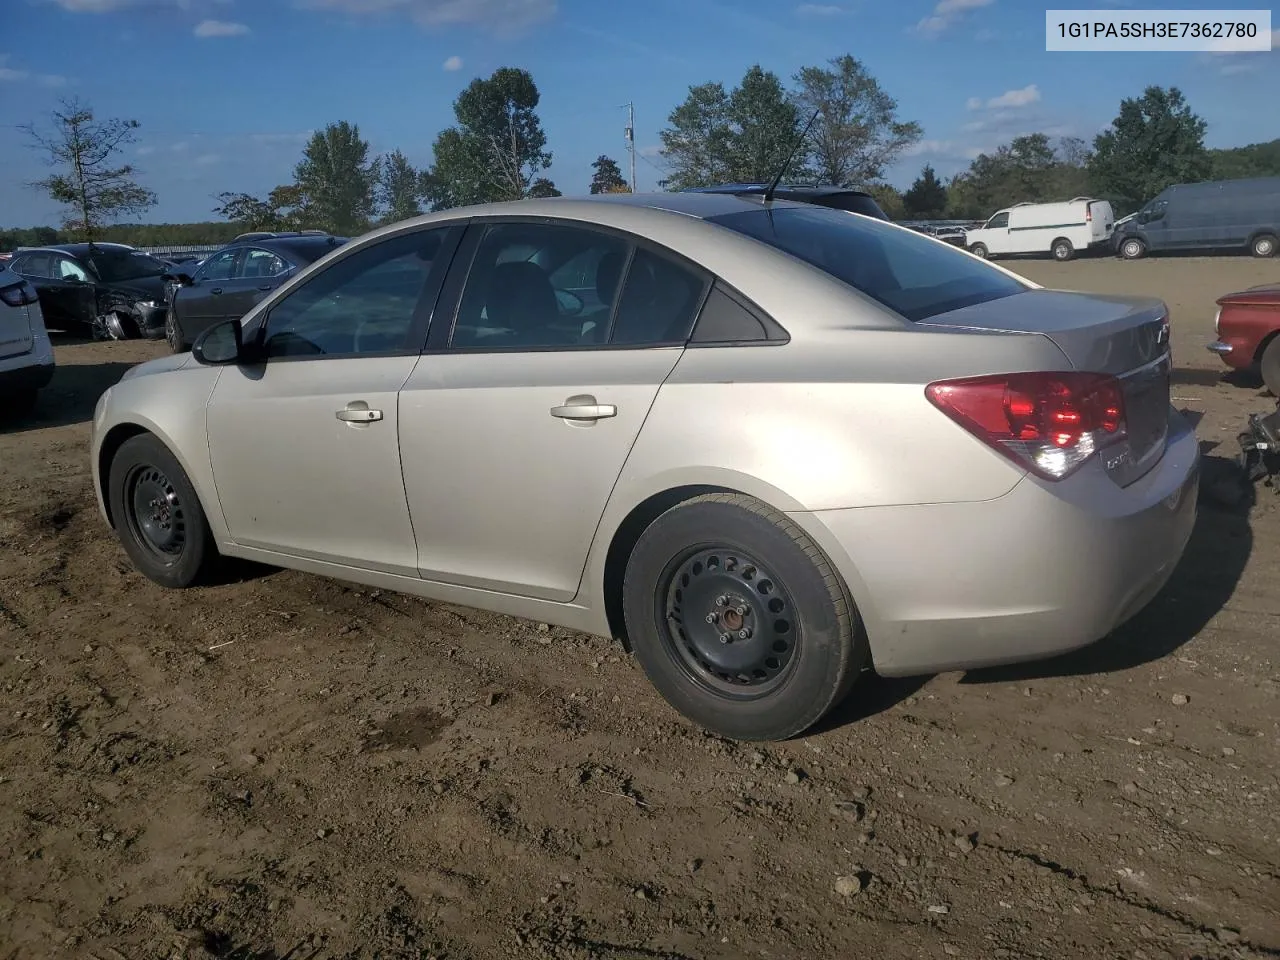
x=765 y=444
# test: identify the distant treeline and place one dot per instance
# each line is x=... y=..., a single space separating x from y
x=1044 y=180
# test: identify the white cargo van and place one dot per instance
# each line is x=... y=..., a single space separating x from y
x=1061 y=229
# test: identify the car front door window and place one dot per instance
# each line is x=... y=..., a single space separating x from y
x=221 y=266
x=68 y=269
x=999 y=222
x=363 y=304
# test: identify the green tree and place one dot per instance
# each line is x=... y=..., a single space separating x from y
x=497 y=148
x=285 y=208
x=338 y=179
x=1253 y=160
x=889 y=199
x=697 y=144
x=93 y=190
x=399 y=187
x=1155 y=141
x=927 y=197
x=764 y=125
x=541 y=188
x=858 y=133
x=607 y=177
x=1029 y=168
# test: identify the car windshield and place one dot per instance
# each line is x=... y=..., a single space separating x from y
x=114 y=266
x=912 y=274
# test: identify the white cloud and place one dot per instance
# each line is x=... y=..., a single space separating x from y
x=453 y=63
x=14 y=75
x=947 y=12
x=930 y=148
x=973 y=103
x=1015 y=98
x=144 y=150
x=220 y=28
x=110 y=6
x=504 y=15
x=818 y=10
x=207 y=159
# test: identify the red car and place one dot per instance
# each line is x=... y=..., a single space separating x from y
x=1248 y=329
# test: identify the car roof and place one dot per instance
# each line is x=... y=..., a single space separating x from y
x=313 y=245
x=80 y=249
x=783 y=189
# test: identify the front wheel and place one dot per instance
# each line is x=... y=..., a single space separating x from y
x=157 y=514
x=1063 y=250
x=1264 y=246
x=739 y=620
x=980 y=250
x=173 y=333
x=1132 y=248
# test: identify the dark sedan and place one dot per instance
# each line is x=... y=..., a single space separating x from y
x=229 y=282
x=102 y=289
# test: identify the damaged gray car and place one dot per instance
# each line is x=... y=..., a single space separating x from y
x=101 y=290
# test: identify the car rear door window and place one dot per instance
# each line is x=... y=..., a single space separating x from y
x=362 y=304
x=660 y=301
x=260 y=264
x=539 y=286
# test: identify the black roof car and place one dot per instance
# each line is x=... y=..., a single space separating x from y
x=104 y=289
x=825 y=195
x=229 y=282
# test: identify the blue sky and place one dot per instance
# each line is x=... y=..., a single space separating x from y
x=227 y=90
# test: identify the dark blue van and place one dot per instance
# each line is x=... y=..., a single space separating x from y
x=1219 y=215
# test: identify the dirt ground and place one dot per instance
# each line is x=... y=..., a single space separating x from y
x=287 y=763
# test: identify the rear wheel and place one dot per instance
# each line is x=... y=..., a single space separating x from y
x=980 y=250
x=157 y=514
x=1131 y=248
x=1062 y=249
x=1271 y=366
x=739 y=620
x=1264 y=245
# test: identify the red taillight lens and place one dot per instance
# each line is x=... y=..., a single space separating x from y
x=1047 y=422
x=18 y=294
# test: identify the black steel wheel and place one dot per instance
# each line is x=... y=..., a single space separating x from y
x=157 y=514
x=739 y=620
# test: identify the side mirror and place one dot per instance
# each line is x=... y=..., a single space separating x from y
x=220 y=345
x=182 y=279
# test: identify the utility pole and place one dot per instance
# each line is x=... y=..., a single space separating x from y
x=631 y=141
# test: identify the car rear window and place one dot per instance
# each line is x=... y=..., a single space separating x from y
x=912 y=274
x=854 y=203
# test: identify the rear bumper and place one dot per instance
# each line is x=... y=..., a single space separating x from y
x=1045 y=569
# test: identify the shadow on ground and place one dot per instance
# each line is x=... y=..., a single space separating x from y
x=1201 y=585
x=69 y=398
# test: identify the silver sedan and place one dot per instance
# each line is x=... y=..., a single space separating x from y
x=766 y=445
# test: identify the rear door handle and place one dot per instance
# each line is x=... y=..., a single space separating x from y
x=264 y=286
x=358 y=413
x=584 y=408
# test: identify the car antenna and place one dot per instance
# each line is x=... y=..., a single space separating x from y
x=768 y=193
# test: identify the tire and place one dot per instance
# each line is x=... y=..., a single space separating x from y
x=172 y=547
x=688 y=569
x=980 y=250
x=173 y=334
x=1263 y=245
x=1062 y=250
x=1131 y=248
x=1270 y=366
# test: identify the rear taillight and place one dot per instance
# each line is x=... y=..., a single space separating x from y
x=1088 y=214
x=18 y=294
x=1050 y=423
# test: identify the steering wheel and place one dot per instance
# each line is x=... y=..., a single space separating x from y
x=571 y=303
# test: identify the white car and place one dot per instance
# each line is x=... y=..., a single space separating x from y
x=1062 y=229
x=26 y=355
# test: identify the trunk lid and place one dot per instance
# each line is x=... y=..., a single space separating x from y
x=1127 y=337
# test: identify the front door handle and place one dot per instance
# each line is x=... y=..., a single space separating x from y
x=584 y=408
x=358 y=412
x=264 y=286
x=216 y=291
